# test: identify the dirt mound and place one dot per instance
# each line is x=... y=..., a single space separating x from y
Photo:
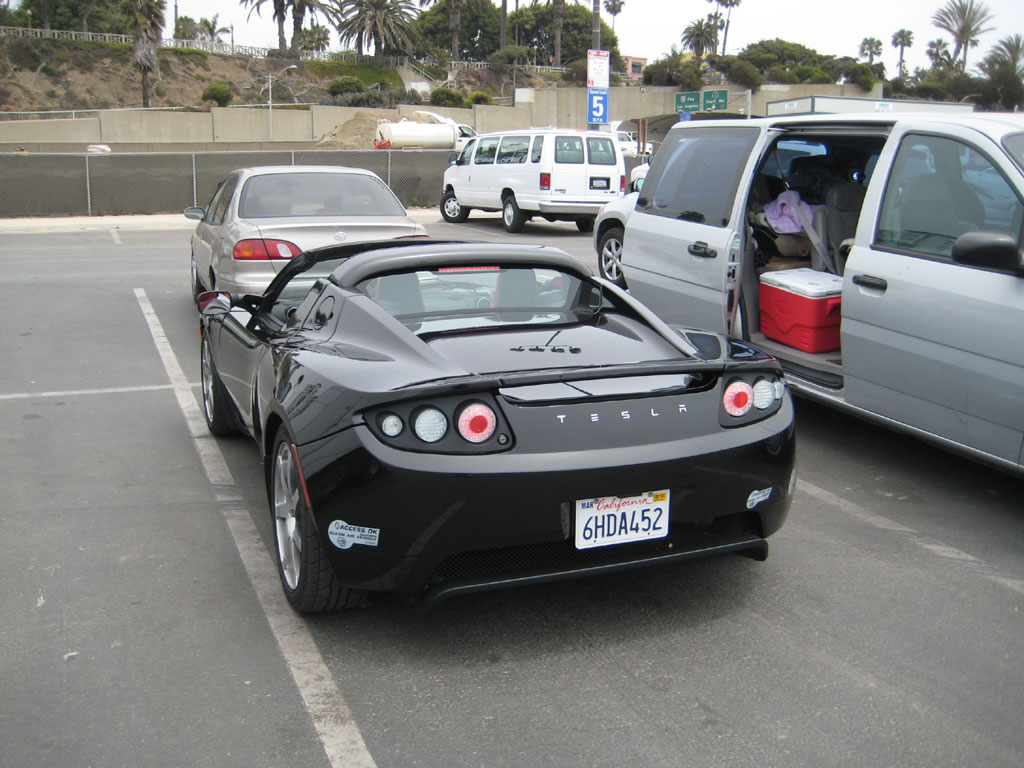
x=360 y=131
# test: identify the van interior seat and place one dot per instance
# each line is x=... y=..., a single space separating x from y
x=811 y=175
x=843 y=202
x=927 y=206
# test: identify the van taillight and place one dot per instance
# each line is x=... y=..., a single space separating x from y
x=545 y=181
x=622 y=183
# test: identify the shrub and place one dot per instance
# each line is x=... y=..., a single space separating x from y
x=219 y=93
x=779 y=74
x=51 y=71
x=479 y=97
x=446 y=97
x=346 y=84
x=368 y=99
x=862 y=75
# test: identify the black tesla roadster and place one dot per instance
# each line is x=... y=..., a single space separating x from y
x=447 y=417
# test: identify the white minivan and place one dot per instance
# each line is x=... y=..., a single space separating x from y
x=877 y=256
x=559 y=175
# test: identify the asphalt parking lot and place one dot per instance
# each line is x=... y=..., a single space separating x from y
x=141 y=623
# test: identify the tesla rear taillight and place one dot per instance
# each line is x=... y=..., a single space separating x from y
x=738 y=398
x=477 y=422
x=430 y=425
x=264 y=250
x=545 y=181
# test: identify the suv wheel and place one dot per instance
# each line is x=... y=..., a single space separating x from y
x=452 y=210
x=511 y=215
x=609 y=256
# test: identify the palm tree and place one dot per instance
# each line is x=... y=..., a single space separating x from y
x=146 y=22
x=558 y=12
x=209 y=30
x=316 y=38
x=729 y=4
x=503 y=34
x=1011 y=49
x=902 y=38
x=938 y=53
x=385 y=24
x=870 y=47
x=701 y=36
x=280 y=12
x=299 y=10
x=965 y=20
x=614 y=8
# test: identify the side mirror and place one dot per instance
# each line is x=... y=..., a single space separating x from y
x=212 y=303
x=195 y=212
x=452 y=158
x=993 y=250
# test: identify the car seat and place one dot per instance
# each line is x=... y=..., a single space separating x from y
x=843 y=202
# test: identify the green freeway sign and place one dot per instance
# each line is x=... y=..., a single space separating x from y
x=715 y=101
x=688 y=102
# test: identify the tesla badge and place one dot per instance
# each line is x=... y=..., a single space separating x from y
x=339 y=236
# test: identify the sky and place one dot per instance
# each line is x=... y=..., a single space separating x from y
x=649 y=28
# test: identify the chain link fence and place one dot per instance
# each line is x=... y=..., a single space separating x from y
x=145 y=183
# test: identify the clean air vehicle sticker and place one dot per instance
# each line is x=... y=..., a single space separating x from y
x=756 y=497
x=343 y=535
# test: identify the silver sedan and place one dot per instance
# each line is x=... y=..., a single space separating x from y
x=261 y=217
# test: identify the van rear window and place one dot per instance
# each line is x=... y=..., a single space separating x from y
x=600 y=150
x=1014 y=144
x=569 y=149
x=696 y=173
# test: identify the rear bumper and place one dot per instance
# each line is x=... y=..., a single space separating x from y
x=454 y=524
x=573 y=208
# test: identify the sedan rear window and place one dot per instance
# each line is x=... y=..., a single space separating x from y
x=695 y=174
x=276 y=195
x=1014 y=144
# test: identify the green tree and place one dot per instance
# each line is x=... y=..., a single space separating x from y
x=1012 y=50
x=938 y=54
x=208 y=29
x=316 y=38
x=455 y=23
x=557 y=22
x=728 y=5
x=965 y=20
x=299 y=9
x=536 y=31
x=902 y=39
x=386 y=24
x=478 y=37
x=869 y=48
x=672 y=70
x=146 y=21
x=84 y=15
x=701 y=36
x=186 y=28
x=767 y=54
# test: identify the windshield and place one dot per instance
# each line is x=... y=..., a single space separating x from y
x=1014 y=144
x=306 y=193
x=462 y=298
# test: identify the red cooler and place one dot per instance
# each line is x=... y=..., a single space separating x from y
x=801 y=308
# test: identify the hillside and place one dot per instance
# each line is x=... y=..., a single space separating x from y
x=64 y=75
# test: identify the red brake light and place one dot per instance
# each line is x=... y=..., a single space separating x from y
x=264 y=250
x=622 y=183
x=738 y=398
x=545 y=181
x=477 y=422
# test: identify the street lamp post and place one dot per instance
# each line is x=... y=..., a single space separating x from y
x=270 y=97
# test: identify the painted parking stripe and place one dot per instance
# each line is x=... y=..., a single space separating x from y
x=339 y=735
x=78 y=392
x=944 y=551
x=116 y=236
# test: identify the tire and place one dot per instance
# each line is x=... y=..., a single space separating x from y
x=306 y=575
x=609 y=256
x=216 y=402
x=452 y=210
x=585 y=225
x=512 y=216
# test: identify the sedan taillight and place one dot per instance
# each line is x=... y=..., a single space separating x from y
x=264 y=250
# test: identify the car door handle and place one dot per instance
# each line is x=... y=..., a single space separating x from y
x=867 y=281
x=701 y=249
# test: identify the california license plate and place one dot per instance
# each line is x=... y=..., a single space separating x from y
x=599 y=182
x=614 y=520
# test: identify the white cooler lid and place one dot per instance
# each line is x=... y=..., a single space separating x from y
x=805 y=282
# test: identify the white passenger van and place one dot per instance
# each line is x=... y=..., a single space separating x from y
x=558 y=174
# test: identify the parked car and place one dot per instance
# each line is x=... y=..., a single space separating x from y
x=260 y=218
x=610 y=227
x=630 y=146
x=877 y=256
x=558 y=174
x=450 y=417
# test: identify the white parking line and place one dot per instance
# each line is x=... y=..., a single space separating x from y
x=77 y=392
x=117 y=237
x=950 y=554
x=339 y=735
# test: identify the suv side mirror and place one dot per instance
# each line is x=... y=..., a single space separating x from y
x=994 y=250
